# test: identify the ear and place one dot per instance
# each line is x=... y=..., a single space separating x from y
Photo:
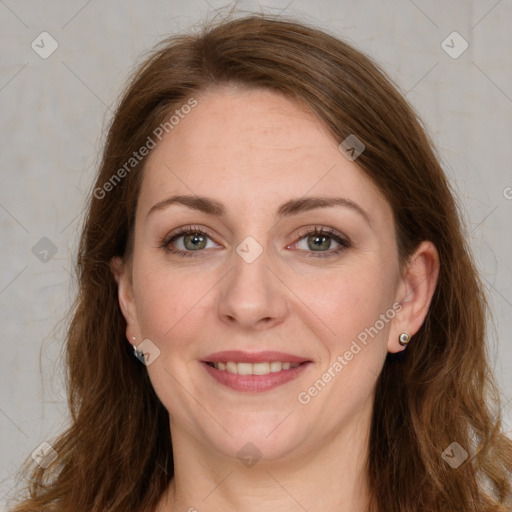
x=121 y=271
x=415 y=292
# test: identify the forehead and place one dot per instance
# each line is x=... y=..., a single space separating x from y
x=252 y=147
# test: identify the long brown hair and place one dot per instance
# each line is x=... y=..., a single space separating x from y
x=117 y=454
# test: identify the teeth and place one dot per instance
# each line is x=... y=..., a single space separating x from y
x=260 y=368
x=244 y=368
x=263 y=368
x=276 y=366
x=231 y=367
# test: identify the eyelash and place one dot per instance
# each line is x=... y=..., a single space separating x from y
x=318 y=231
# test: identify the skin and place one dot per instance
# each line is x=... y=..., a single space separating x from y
x=253 y=150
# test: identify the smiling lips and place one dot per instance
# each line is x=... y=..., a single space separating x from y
x=262 y=371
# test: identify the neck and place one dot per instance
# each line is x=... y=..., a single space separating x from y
x=322 y=477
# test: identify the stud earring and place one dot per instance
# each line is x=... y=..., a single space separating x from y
x=136 y=353
x=404 y=339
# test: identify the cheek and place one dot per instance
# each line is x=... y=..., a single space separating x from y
x=350 y=300
x=171 y=301
x=174 y=303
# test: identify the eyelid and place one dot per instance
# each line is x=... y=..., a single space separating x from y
x=309 y=230
x=183 y=231
x=338 y=237
x=341 y=239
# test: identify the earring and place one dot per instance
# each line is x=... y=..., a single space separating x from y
x=136 y=353
x=404 y=339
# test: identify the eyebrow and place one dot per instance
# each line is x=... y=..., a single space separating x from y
x=292 y=207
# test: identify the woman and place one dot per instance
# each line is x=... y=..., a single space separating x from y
x=277 y=309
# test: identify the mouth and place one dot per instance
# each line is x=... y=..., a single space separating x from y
x=254 y=372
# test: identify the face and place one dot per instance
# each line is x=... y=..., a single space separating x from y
x=237 y=266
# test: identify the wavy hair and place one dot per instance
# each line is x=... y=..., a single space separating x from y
x=116 y=454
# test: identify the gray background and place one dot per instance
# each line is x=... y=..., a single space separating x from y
x=53 y=114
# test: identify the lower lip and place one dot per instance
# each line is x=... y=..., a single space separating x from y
x=255 y=383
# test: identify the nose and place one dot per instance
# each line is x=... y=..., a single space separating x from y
x=252 y=296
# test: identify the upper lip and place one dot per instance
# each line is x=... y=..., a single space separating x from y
x=253 y=357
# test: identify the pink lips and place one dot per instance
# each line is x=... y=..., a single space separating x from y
x=254 y=383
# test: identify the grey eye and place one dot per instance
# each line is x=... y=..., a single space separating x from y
x=194 y=241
